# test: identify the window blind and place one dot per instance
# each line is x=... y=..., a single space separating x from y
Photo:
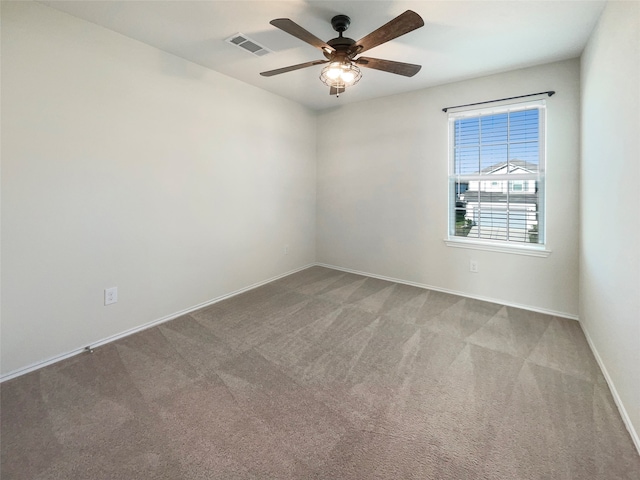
x=497 y=174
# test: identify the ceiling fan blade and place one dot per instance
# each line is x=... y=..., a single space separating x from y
x=399 y=68
x=404 y=23
x=292 y=28
x=291 y=68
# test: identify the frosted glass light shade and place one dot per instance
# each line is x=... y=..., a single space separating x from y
x=340 y=75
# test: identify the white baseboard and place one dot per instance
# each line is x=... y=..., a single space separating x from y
x=570 y=316
x=131 y=331
x=38 y=365
x=614 y=392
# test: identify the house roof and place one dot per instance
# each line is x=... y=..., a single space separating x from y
x=513 y=165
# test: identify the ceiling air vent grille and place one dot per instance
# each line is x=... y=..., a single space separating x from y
x=240 y=40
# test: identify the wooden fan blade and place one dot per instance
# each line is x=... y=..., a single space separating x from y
x=291 y=68
x=399 y=68
x=292 y=28
x=404 y=23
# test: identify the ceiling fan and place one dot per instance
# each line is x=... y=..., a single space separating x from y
x=342 y=70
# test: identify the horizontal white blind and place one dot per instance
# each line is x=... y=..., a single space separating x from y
x=497 y=174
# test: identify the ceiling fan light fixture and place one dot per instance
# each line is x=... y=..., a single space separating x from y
x=340 y=70
x=340 y=74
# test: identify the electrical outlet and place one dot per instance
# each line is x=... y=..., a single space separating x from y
x=110 y=295
x=473 y=266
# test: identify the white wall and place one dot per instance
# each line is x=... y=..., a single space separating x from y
x=382 y=192
x=609 y=219
x=126 y=166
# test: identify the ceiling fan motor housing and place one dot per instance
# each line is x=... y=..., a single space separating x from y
x=342 y=45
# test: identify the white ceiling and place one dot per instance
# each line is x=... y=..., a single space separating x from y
x=460 y=39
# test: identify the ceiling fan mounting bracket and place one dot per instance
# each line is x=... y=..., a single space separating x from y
x=340 y=23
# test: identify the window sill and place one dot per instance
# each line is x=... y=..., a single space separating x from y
x=532 y=251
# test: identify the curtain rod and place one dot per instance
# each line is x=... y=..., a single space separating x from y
x=550 y=93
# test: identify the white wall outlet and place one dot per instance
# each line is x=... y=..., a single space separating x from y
x=110 y=295
x=286 y=249
x=473 y=266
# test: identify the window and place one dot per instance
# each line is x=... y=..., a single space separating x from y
x=517 y=186
x=496 y=176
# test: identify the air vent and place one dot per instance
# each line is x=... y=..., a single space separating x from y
x=242 y=41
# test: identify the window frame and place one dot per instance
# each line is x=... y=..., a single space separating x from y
x=505 y=246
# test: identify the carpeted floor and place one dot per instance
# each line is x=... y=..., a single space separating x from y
x=325 y=375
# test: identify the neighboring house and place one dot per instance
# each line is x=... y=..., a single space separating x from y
x=513 y=167
x=503 y=209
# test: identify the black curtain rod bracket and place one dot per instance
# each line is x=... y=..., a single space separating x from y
x=550 y=93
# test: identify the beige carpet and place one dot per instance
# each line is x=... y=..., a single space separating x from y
x=325 y=375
